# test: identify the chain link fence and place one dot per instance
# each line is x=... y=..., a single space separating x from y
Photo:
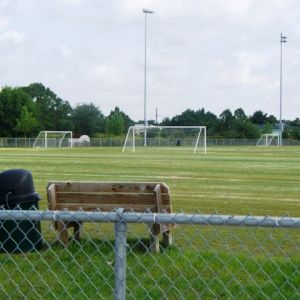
x=211 y=257
x=151 y=142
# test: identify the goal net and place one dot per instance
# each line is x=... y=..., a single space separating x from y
x=54 y=139
x=269 y=139
x=181 y=137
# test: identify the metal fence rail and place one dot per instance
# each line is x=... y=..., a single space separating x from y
x=212 y=257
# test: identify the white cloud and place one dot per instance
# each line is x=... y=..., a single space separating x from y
x=3 y=22
x=72 y=2
x=66 y=52
x=106 y=73
x=5 y=3
x=12 y=36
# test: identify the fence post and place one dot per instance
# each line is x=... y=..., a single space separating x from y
x=120 y=256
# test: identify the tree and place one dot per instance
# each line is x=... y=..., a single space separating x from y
x=226 y=118
x=88 y=119
x=268 y=128
x=166 y=122
x=244 y=129
x=52 y=112
x=295 y=132
x=258 y=117
x=271 y=119
x=26 y=123
x=191 y=118
x=12 y=100
x=114 y=123
x=240 y=114
x=127 y=120
x=295 y=122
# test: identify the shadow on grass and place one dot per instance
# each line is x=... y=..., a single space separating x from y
x=137 y=246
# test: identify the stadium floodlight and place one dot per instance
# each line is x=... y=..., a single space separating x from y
x=148 y=11
x=145 y=11
x=167 y=136
x=283 y=39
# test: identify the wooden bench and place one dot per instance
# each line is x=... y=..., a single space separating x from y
x=91 y=196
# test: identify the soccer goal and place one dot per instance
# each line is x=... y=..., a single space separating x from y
x=269 y=139
x=54 y=139
x=181 y=137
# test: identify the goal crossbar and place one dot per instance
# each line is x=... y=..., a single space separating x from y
x=201 y=129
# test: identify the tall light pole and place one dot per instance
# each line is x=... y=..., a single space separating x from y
x=145 y=11
x=283 y=39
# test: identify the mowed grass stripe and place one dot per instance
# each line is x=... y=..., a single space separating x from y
x=226 y=178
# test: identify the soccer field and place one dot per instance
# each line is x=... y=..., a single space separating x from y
x=227 y=180
x=207 y=262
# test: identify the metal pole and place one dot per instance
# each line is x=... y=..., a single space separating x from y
x=120 y=256
x=282 y=40
x=145 y=84
x=280 y=113
x=145 y=11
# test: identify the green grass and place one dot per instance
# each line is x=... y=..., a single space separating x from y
x=206 y=261
x=233 y=180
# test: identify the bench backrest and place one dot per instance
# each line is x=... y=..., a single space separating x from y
x=105 y=196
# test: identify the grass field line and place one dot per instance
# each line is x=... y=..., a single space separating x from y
x=152 y=176
x=226 y=196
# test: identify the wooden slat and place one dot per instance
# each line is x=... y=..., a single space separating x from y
x=166 y=197
x=157 y=196
x=51 y=196
x=164 y=189
x=104 y=187
x=106 y=208
x=107 y=186
x=112 y=199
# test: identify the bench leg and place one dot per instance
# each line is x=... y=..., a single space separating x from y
x=154 y=238
x=62 y=232
x=77 y=230
x=154 y=243
x=167 y=238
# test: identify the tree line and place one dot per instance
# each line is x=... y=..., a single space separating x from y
x=24 y=111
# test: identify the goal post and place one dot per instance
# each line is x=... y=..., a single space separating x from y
x=269 y=139
x=54 y=139
x=168 y=136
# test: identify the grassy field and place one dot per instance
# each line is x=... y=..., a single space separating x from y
x=230 y=180
x=208 y=262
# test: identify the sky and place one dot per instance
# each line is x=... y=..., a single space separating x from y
x=211 y=54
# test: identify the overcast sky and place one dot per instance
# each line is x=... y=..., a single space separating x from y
x=214 y=54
